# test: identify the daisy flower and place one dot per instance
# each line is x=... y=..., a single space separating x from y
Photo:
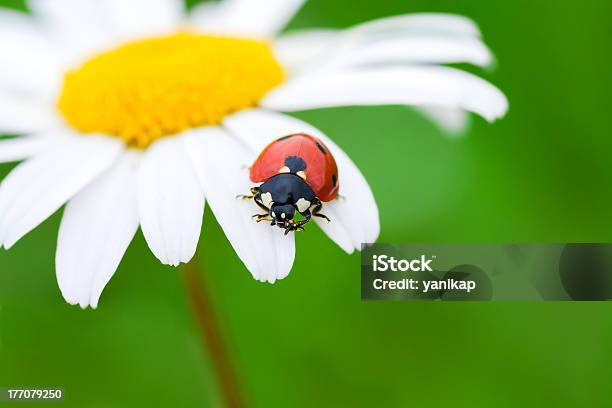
x=137 y=113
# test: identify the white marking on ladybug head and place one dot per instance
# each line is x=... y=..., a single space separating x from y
x=302 y=205
x=283 y=216
x=266 y=199
x=284 y=169
x=301 y=174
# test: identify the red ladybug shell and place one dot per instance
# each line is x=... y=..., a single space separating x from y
x=321 y=170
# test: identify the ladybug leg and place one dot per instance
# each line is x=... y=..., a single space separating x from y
x=261 y=217
x=253 y=195
x=307 y=216
x=316 y=211
x=261 y=205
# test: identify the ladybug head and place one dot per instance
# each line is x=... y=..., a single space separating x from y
x=281 y=214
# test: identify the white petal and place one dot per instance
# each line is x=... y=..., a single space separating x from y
x=19 y=114
x=261 y=18
x=418 y=49
x=27 y=60
x=420 y=24
x=220 y=162
x=170 y=202
x=256 y=128
x=97 y=226
x=297 y=49
x=136 y=18
x=450 y=120
x=355 y=217
x=20 y=148
x=36 y=188
x=80 y=27
x=429 y=86
x=423 y=37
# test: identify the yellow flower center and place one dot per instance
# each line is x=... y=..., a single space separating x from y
x=157 y=87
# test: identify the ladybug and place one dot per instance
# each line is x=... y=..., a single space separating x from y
x=298 y=174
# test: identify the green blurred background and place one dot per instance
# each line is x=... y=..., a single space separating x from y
x=542 y=174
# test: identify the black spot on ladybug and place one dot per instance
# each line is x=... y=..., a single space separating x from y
x=321 y=148
x=295 y=164
x=334 y=180
x=284 y=137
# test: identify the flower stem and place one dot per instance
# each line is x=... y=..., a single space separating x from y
x=212 y=338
